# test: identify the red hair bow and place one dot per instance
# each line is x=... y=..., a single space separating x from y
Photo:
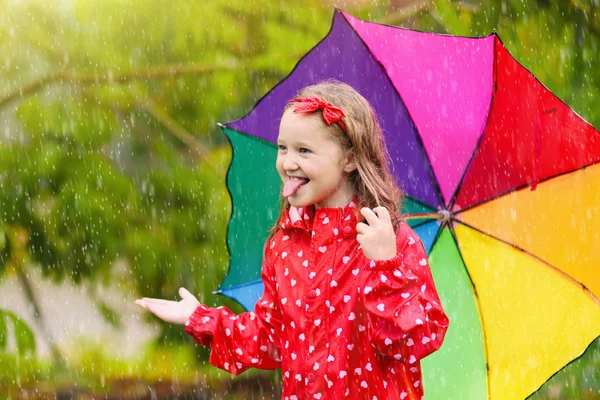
x=331 y=114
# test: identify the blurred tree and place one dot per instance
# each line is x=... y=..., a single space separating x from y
x=111 y=150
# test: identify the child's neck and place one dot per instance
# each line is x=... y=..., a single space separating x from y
x=340 y=201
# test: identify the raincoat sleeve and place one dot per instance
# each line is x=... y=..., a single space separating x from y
x=406 y=319
x=247 y=340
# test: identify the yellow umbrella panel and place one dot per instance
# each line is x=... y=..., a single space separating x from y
x=534 y=260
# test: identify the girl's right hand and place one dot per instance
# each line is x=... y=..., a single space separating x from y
x=174 y=312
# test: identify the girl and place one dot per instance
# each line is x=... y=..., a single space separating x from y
x=349 y=305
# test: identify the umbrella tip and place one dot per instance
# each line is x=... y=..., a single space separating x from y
x=445 y=215
x=220 y=125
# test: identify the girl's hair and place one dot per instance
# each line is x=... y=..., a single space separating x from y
x=374 y=184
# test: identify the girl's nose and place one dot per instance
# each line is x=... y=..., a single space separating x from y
x=289 y=162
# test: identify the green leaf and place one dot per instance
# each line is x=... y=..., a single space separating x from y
x=24 y=336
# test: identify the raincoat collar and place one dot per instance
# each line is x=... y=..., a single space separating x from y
x=304 y=217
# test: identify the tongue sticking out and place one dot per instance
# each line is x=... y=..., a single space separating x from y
x=291 y=185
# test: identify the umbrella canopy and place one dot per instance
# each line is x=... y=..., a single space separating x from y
x=501 y=179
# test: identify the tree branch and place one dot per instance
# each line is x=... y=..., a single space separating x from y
x=97 y=77
x=174 y=127
x=19 y=240
x=590 y=20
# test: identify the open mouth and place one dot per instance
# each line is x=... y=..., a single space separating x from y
x=292 y=185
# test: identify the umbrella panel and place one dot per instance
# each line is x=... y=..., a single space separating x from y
x=535 y=318
x=446 y=85
x=254 y=187
x=558 y=222
x=411 y=206
x=458 y=369
x=428 y=233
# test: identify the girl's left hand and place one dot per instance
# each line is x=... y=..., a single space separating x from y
x=173 y=312
x=378 y=239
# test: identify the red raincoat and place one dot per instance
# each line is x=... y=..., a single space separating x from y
x=338 y=324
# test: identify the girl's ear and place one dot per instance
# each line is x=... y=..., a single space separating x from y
x=349 y=161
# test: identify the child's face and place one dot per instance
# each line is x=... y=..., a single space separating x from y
x=311 y=163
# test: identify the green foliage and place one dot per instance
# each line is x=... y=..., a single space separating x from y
x=96 y=373
x=22 y=336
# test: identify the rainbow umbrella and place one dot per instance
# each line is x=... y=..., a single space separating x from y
x=501 y=179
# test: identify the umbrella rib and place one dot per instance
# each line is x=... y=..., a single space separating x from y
x=429 y=166
x=421 y=202
x=523 y=186
x=484 y=130
x=418 y=216
x=564 y=274
x=479 y=311
x=241 y=285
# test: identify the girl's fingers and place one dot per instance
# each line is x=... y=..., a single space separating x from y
x=370 y=216
x=140 y=303
x=162 y=311
x=184 y=293
x=359 y=238
x=168 y=311
x=156 y=309
x=383 y=214
x=151 y=307
x=151 y=300
x=361 y=228
x=145 y=306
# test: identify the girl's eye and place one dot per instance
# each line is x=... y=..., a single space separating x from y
x=281 y=147
x=304 y=150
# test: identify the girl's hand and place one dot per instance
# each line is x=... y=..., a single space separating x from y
x=174 y=312
x=377 y=239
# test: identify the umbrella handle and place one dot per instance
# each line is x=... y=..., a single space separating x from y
x=443 y=215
